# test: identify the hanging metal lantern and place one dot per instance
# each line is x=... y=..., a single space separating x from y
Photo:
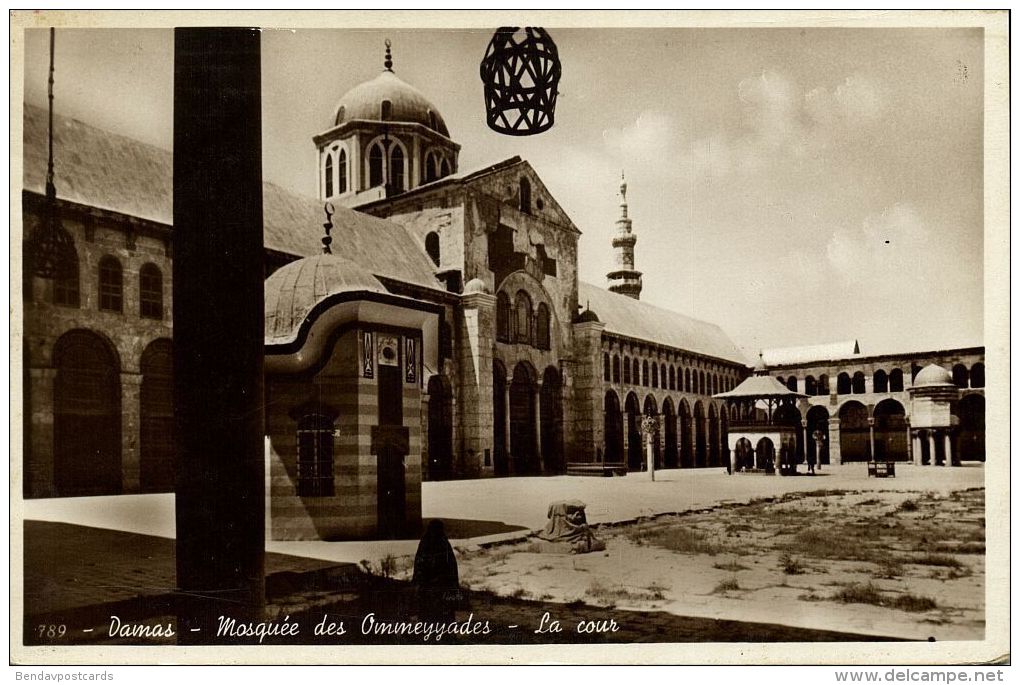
x=520 y=72
x=50 y=248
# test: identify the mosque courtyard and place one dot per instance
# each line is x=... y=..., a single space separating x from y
x=900 y=558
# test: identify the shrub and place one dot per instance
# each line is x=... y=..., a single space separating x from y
x=726 y=586
x=791 y=566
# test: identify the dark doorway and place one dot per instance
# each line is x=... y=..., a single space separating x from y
x=686 y=452
x=552 y=422
x=392 y=495
x=700 y=448
x=818 y=434
x=440 y=465
x=854 y=436
x=157 y=417
x=522 y=422
x=86 y=416
x=765 y=455
x=613 y=429
x=669 y=419
x=890 y=431
x=971 y=443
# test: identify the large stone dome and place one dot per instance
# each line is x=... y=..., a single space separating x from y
x=933 y=375
x=407 y=104
x=292 y=291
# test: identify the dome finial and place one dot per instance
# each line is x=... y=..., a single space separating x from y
x=388 y=63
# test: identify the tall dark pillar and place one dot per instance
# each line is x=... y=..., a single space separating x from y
x=218 y=328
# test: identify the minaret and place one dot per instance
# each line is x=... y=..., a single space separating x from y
x=624 y=279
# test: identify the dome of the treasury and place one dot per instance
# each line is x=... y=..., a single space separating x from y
x=407 y=104
x=933 y=374
x=294 y=290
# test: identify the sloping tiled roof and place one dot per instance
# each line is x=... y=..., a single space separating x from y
x=626 y=316
x=760 y=386
x=811 y=353
x=100 y=169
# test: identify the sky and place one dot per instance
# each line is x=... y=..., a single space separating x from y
x=793 y=185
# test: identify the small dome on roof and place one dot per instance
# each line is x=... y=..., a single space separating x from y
x=407 y=104
x=475 y=285
x=292 y=291
x=933 y=374
x=587 y=316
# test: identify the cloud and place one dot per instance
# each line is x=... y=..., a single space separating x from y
x=653 y=136
x=772 y=104
x=855 y=101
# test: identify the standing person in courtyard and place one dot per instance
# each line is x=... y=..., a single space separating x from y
x=436 y=579
x=811 y=461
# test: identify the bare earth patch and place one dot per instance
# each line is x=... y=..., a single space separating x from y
x=897 y=564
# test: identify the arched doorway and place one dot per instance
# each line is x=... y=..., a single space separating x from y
x=652 y=409
x=552 y=421
x=890 y=431
x=522 y=421
x=613 y=429
x=789 y=415
x=818 y=434
x=633 y=433
x=854 y=436
x=440 y=464
x=700 y=448
x=971 y=431
x=670 y=459
x=713 y=436
x=686 y=451
x=156 y=458
x=765 y=455
x=501 y=453
x=86 y=416
x=743 y=453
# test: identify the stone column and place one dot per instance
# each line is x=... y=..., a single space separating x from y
x=835 y=457
x=910 y=444
x=949 y=448
x=474 y=321
x=130 y=431
x=871 y=439
x=931 y=448
x=584 y=423
x=918 y=453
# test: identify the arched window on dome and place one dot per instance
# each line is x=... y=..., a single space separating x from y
x=375 y=165
x=386 y=110
x=340 y=115
x=433 y=122
x=525 y=196
x=397 y=169
x=444 y=169
x=432 y=246
x=428 y=170
x=329 y=174
x=341 y=172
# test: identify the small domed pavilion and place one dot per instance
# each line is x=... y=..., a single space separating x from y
x=931 y=424
x=763 y=421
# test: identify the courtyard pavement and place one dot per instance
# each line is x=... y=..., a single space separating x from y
x=498 y=509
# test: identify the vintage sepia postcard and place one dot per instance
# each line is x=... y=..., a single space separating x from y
x=487 y=338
